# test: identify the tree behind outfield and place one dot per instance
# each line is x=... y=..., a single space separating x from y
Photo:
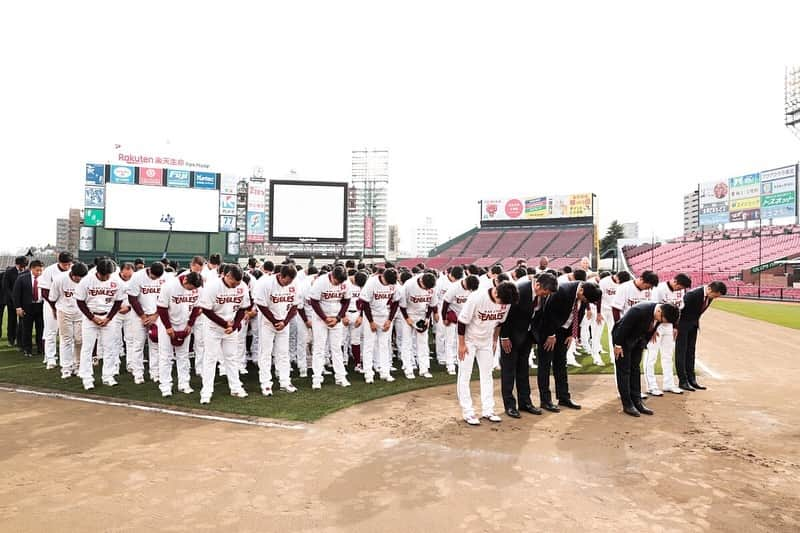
x=614 y=233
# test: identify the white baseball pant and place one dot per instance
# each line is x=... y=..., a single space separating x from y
x=322 y=336
x=410 y=335
x=70 y=340
x=166 y=353
x=379 y=342
x=274 y=345
x=665 y=344
x=50 y=333
x=91 y=333
x=220 y=348
x=485 y=358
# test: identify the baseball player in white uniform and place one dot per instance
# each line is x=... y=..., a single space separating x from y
x=99 y=298
x=177 y=315
x=143 y=290
x=224 y=302
x=667 y=292
x=445 y=281
x=49 y=313
x=68 y=316
x=276 y=298
x=609 y=285
x=379 y=301
x=478 y=331
x=355 y=330
x=454 y=300
x=418 y=305
x=329 y=298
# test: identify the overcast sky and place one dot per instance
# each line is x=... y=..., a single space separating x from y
x=634 y=101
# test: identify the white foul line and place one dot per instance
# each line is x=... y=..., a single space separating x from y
x=707 y=370
x=160 y=410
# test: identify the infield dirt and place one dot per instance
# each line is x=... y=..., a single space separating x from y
x=725 y=459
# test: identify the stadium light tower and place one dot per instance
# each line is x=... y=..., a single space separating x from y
x=792 y=99
x=167 y=219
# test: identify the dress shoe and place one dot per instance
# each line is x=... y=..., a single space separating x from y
x=513 y=413
x=642 y=408
x=532 y=409
x=548 y=406
x=630 y=410
x=697 y=386
x=685 y=386
x=568 y=403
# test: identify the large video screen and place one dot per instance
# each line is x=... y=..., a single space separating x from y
x=307 y=211
x=141 y=207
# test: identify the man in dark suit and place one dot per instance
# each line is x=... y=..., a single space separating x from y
x=695 y=303
x=630 y=337
x=28 y=302
x=9 y=279
x=559 y=328
x=516 y=340
x=2 y=300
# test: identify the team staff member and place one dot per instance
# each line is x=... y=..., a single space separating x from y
x=29 y=302
x=99 y=298
x=478 y=330
x=9 y=279
x=558 y=330
x=516 y=340
x=62 y=295
x=630 y=335
x=695 y=303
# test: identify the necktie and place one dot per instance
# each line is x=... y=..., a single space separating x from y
x=35 y=289
x=575 y=324
x=706 y=303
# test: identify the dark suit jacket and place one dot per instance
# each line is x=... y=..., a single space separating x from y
x=693 y=302
x=9 y=278
x=518 y=321
x=634 y=328
x=558 y=308
x=23 y=292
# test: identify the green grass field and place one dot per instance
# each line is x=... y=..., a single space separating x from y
x=787 y=315
x=304 y=405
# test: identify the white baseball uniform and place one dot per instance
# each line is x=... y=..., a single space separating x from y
x=145 y=290
x=328 y=298
x=380 y=303
x=62 y=295
x=479 y=318
x=278 y=305
x=99 y=297
x=456 y=296
x=222 y=305
x=665 y=340
x=176 y=304
x=418 y=304
x=49 y=314
x=442 y=285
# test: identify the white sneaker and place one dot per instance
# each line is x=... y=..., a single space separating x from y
x=359 y=369
x=88 y=385
x=138 y=380
x=472 y=420
x=598 y=362
x=369 y=380
x=51 y=366
x=205 y=401
x=427 y=375
x=267 y=391
x=239 y=393
x=242 y=371
x=492 y=418
x=289 y=388
x=675 y=390
x=166 y=394
x=388 y=379
x=303 y=374
x=66 y=375
x=326 y=372
x=343 y=382
x=643 y=396
x=573 y=362
x=110 y=382
x=655 y=392
x=316 y=386
x=186 y=390
x=410 y=375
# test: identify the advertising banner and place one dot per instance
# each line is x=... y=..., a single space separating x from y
x=713 y=203
x=94 y=197
x=95 y=174
x=93 y=217
x=178 y=178
x=122 y=174
x=538 y=207
x=779 y=192
x=255 y=226
x=227 y=223
x=205 y=180
x=228 y=183
x=744 y=200
x=86 y=239
x=233 y=244
x=151 y=176
x=227 y=204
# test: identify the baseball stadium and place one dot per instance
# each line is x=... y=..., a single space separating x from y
x=239 y=351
